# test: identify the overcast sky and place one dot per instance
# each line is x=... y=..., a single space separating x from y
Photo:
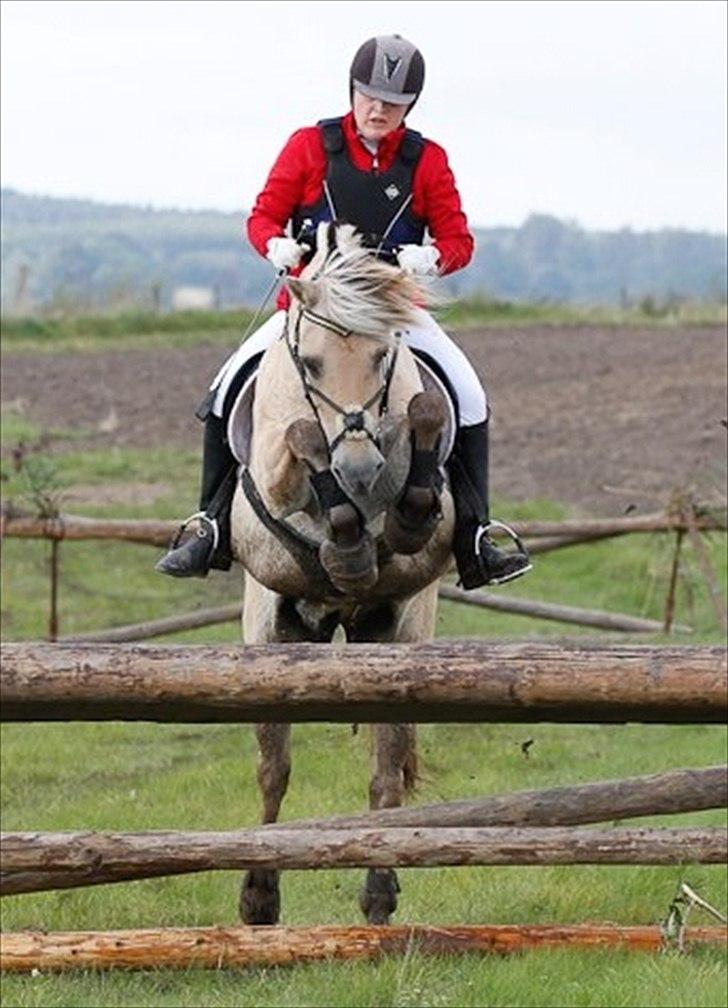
x=608 y=113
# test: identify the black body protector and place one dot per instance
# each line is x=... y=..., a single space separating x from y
x=377 y=203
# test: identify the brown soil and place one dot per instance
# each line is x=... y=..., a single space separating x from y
x=597 y=418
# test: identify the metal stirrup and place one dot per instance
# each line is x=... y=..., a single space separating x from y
x=212 y=522
x=484 y=529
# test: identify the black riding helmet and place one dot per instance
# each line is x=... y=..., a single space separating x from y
x=390 y=68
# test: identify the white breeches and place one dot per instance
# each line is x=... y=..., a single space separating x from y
x=426 y=335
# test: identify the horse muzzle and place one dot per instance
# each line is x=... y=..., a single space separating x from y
x=357 y=463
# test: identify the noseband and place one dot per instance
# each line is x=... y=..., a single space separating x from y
x=354 y=421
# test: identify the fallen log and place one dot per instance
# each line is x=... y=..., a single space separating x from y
x=560 y=613
x=89 y=858
x=457 y=681
x=655 y=794
x=221 y=947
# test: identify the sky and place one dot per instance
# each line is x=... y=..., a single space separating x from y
x=610 y=114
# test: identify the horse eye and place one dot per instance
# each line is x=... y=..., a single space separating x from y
x=314 y=366
x=379 y=357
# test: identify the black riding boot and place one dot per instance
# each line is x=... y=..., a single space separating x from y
x=209 y=545
x=479 y=561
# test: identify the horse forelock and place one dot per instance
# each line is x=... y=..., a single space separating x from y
x=361 y=292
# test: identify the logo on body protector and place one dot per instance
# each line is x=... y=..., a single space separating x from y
x=392 y=191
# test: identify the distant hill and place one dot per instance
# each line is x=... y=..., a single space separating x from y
x=87 y=255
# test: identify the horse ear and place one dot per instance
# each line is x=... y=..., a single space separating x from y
x=304 y=291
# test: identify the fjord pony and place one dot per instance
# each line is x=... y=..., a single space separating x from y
x=342 y=518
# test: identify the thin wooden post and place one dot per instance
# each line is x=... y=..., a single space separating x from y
x=53 y=614
x=672 y=587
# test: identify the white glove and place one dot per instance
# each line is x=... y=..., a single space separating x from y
x=418 y=259
x=284 y=253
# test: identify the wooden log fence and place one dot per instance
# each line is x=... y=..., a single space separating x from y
x=89 y=858
x=676 y=791
x=152 y=532
x=545 y=536
x=220 y=947
x=460 y=681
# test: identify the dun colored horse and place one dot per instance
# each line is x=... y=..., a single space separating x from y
x=343 y=518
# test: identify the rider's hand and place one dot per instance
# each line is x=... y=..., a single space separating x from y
x=284 y=253
x=418 y=259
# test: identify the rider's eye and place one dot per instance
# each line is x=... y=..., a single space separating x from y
x=314 y=366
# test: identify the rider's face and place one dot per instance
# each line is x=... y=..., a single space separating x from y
x=375 y=118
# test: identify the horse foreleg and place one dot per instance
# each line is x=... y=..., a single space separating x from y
x=410 y=522
x=260 y=901
x=349 y=556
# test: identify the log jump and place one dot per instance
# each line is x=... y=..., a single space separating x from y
x=462 y=681
x=220 y=947
x=653 y=794
x=89 y=858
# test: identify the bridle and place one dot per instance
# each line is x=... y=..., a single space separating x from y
x=354 y=420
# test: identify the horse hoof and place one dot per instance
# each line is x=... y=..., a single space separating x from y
x=306 y=441
x=260 y=898
x=352 y=569
x=427 y=418
x=378 y=897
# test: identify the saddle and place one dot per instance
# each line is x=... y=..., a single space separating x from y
x=240 y=417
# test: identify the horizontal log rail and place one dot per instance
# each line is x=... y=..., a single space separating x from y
x=88 y=858
x=668 y=793
x=458 y=681
x=220 y=947
x=158 y=532
x=159 y=627
x=673 y=792
x=145 y=532
x=536 y=609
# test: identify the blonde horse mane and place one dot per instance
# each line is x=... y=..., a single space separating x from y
x=356 y=290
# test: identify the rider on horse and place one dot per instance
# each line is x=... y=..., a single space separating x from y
x=366 y=168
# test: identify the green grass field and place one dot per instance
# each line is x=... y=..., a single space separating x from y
x=146 y=776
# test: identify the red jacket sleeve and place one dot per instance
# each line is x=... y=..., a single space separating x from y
x=283 y=192
x=437 y=200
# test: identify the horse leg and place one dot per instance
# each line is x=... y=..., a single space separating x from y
x=269 y=618
x=410 y=522
x=395 y=773
x=395 y=745
x=260 y=900
x=349 y=556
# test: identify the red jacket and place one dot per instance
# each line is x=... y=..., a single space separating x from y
x=296 y=179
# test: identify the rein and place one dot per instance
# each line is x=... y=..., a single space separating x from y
x=354 y=420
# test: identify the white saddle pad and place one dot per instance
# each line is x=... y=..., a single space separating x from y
x=240 y=421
